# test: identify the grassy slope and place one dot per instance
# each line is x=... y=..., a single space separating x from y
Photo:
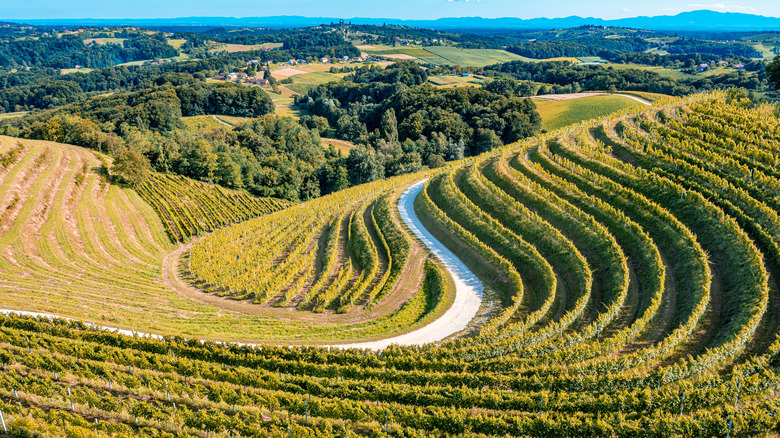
x=557 y=114
x=95 y=252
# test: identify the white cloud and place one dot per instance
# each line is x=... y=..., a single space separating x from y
x=625 y=9
x=723 y=7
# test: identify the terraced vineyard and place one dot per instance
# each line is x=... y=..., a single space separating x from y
x=188 y=207
x=631 y=268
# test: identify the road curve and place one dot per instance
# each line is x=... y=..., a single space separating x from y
x=468 y=289
x=468 y=292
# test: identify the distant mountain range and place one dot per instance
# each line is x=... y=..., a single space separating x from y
x=695 y=20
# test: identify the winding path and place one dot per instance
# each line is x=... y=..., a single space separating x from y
x=468 y=291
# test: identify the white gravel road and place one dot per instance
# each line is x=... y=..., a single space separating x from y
x=468 y=292
x=468 y=289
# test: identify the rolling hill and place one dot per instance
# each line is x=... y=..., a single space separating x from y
x=629 y=267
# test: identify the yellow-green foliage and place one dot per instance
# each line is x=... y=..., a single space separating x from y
x=557 y=114
x=188 y=207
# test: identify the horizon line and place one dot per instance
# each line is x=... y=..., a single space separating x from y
x=385 y=18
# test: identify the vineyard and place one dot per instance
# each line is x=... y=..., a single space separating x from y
x=631 y=272
x=187 y=207
x=74 y=244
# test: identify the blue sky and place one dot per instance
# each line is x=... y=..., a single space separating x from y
x=405 y=9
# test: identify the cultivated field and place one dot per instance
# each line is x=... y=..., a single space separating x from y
x=630 y=270
x=558 y=111
x=74 y=245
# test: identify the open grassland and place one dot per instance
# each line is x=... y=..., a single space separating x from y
x=302 y=83
x=75 y=245
x=233 y=120
x=456 y=81
x=12 y=115
x=633 y=259
x=202 y=123
x=557 y=114
x=176 y=43
x=67 y=71
x=340 y=145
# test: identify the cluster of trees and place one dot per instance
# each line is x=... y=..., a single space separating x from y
x=310 y=43
x=687 y=60
x=712 y=48
x=606 y=48
x=67 y=51
x=47 y=88
x=564 y=77
x=357 y=107
x=402 y=124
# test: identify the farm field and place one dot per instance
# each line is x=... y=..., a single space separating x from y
x=472 y=57
x=107 y=256
x=629 y=265
x=446 y=55
x=559 y=113
x=456 y=81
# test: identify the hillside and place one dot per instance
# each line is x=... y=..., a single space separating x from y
x=187 y=207
x=630 y=265
x=75 y=245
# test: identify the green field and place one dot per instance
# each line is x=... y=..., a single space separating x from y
x=557 y=114
x=472 y=57
x=198 y=123
x=304 y=82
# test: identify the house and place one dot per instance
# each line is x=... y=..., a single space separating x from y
x=465 y=75
x=740 y=67
x=723 y=63
x=252 y=61
x=219 y=77
x=324 y=60
x=702 y=67
x=258 y=80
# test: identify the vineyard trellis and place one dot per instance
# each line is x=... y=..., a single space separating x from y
x=633 y=262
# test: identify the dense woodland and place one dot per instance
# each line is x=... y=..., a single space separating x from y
x=399 y=121
x=68 y=51
x=394 y=111
x=563 y=77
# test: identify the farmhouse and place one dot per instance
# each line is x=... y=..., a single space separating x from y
x=257 y=80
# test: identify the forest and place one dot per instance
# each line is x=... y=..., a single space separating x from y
x=563 y=77
x=67 y=51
